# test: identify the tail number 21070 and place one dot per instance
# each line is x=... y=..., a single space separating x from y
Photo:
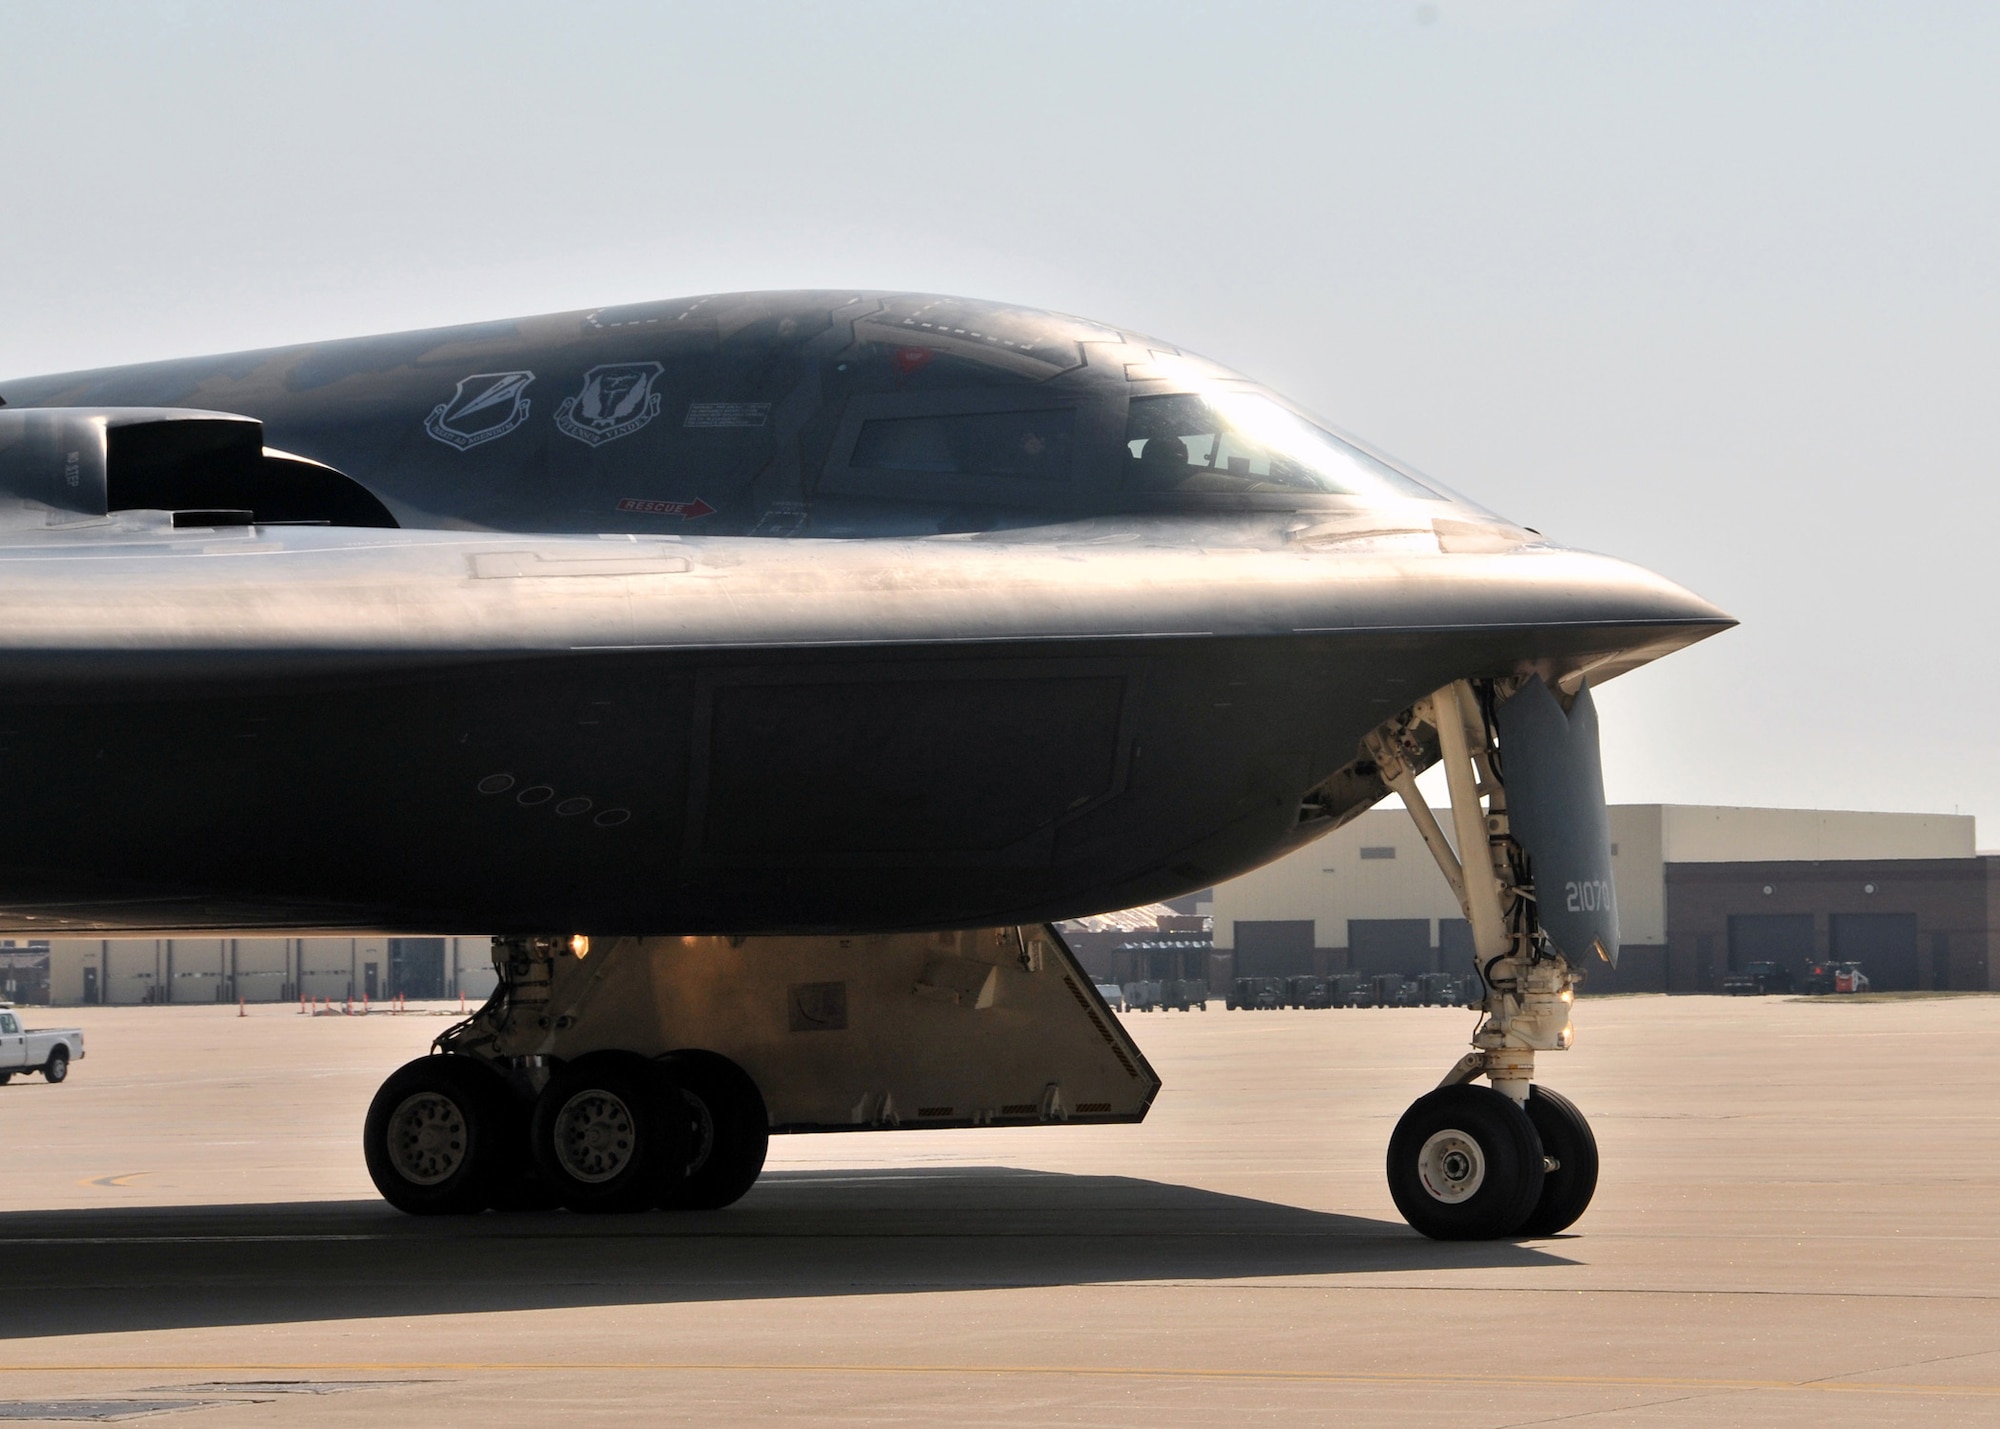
x=1590 y=896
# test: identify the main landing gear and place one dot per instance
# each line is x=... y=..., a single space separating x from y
x=651 y=1072
x=1511 y=1159
x=453 y=1134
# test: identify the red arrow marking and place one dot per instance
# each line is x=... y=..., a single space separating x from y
x=687 y=510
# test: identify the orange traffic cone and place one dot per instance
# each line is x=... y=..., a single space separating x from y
x=239 y=1008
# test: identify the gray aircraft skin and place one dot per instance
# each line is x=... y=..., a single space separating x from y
x=760 y=613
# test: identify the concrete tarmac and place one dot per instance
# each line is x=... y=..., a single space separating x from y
x=1798 y=1223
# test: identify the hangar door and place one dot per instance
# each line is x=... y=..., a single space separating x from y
x=1391 y=945
x=1782 y=938
x=416 y=967
x=1885 y=944
x=1455 y=949
x=1274 y=947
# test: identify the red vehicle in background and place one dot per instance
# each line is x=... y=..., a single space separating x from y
x=1835 y=977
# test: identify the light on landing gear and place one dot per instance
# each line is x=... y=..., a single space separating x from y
x=579 y=945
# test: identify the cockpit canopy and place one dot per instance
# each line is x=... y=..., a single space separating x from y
x=1234 y=441
x=1030 y=445
x=835 y=414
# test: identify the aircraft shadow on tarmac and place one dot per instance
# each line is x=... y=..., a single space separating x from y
x=799 y=1233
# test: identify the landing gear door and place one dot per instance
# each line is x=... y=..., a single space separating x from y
x=1555 y=808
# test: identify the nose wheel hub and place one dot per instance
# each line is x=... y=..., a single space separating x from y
x=1451 y=1167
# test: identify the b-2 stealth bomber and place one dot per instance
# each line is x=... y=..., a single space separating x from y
x=775 y=670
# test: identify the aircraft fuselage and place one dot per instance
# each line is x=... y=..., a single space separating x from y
x=762 y=613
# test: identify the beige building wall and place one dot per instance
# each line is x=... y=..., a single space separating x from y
x=1378 y=866
x=261 y=968
x=198 y=969
x=1638 y=873
x=207 y=970
x=337 y=968
x=1374 y=867
x=67 y=959
x=473 y=960
x=119 y=970
x=180 y=970
x=1714 y=834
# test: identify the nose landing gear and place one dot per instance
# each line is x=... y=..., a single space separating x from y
x=1513 y=1159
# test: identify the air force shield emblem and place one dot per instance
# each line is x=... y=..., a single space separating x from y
x=485 y=406
x=617 y=399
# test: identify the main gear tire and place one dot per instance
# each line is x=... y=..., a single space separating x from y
x=438 y=1135
x=1465 y=1163
x=729 y=1131
x=1566 y=1140
x=515 y=1183
x=610 y=1133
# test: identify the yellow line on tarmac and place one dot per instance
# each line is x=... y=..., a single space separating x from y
x=1434 y=1381
x=123 y=1178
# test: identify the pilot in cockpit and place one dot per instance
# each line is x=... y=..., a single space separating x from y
x=1161 y=464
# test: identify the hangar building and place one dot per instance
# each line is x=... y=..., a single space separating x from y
x=1701 y=891
x=186 y=970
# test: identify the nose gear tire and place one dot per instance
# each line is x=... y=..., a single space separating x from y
x=729 y=1131
x=1567 y=1139
x=1465 y=1163
x=438 y=1134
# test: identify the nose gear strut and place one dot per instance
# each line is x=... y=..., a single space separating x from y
x=1529 y=985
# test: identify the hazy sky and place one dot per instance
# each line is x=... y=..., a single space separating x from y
x=1708 y=286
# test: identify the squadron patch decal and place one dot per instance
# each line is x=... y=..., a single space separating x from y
x=485 y=406
x=617 y=399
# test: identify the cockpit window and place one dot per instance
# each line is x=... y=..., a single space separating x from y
x=1243 y=442
x=1034 y=445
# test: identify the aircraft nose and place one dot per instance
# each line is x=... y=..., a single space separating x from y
x=1618 y=615
x=1613 y=587
x=1653 y=597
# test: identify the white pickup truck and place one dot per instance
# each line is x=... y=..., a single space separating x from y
x=47 y=1052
